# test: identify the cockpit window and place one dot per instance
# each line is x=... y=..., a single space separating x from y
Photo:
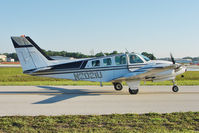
x=135 y=59
x=146 y=58
x=119 y=60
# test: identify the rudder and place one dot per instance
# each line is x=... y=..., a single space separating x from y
x=30 y=54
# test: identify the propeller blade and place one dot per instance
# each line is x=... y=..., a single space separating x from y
x=172 y=59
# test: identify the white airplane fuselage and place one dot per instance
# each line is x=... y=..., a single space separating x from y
x=113 y=72
x=129 y=67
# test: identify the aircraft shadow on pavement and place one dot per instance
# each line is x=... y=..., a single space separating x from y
x=61 y=94
x=58 y=94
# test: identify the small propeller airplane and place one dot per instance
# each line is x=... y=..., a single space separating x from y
x=129 y=67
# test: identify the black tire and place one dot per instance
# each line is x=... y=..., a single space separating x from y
x=133 y=91
x=118 y=86
x=175 y=88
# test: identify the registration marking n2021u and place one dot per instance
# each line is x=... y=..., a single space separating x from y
x=87 y=75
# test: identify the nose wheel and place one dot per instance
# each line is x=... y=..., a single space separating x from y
x=175 y=87
x=118 y=86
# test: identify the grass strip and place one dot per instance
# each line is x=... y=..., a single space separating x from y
x=125 y=123
x=14 y=76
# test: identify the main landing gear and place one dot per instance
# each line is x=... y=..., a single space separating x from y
x=175 y=87
x=133 y=91
x=118 y=86
x=133 y=86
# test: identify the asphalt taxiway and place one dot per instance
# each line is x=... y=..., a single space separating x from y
x=86 y=100
x=10 y=65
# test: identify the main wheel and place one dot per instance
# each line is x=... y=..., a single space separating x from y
x=133 y=91
x=118 y=86
x=175 y=88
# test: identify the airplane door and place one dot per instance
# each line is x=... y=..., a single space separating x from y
x=107 y=73
x=120 y=65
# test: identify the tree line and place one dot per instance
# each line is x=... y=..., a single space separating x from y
x=76 y=54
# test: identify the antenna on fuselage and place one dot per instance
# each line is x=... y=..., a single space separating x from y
x=127 y=52
x=104 y=54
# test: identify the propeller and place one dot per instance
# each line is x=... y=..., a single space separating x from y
x=172 y=59
x=177 y=66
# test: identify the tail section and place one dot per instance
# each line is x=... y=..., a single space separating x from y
x=30 y=54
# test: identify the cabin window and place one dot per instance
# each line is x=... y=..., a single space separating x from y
x=96 y=63
x=107 y=62
x=119 y=60
x=135 y=59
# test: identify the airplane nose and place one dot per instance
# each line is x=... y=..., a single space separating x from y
x=181 y=69
x=184 y=67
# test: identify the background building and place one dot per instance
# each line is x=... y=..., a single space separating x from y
x=10 y=60
x=3 y=58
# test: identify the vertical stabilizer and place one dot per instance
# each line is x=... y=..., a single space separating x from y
x=30 y=54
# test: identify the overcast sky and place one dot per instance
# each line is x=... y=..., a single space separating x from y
x=155 y=26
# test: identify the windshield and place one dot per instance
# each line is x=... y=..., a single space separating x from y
x=146 y=58
x=135 y=59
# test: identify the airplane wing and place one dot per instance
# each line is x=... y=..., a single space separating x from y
x=146 y=72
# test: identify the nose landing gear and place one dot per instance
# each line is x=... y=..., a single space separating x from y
x=175 y=87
